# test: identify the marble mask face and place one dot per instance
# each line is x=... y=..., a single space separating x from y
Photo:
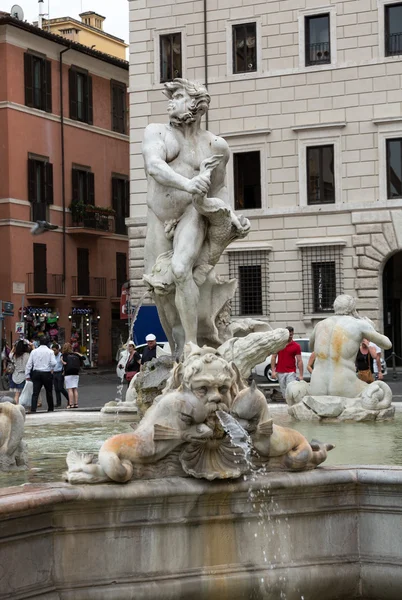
x=212 y=384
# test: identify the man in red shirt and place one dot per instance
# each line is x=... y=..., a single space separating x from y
x=285 y=369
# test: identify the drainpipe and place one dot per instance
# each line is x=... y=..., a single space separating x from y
x=205 y=56
x=63 y=179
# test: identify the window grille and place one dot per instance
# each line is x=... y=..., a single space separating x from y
x=244 y=48
x=322 y=268
x=393 y=29
x=250 y=268
x=170 y=56
x=317 y=38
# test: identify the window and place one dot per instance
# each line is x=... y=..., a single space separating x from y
x=82 y=272
x=40 y=187
x=38 y=82
x=83 y=186
x=393 y=29
x=322 y=278
x=118 y=98
x=247 y=180
x=121 y=202
x=250 y=268
x=80 y=95
x=317 y=40
x=394 y=168
x=320 y=175
x=244 y=48
x=40 y=269
x=170 y=56
x=121 y=271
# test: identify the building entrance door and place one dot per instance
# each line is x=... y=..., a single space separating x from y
x=392 y=302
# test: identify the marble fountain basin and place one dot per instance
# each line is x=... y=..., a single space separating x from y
x=332 y=533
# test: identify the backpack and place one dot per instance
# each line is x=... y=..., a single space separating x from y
x=73 y=362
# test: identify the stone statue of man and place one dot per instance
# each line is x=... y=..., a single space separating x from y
x=336 y=341
x=189 y=219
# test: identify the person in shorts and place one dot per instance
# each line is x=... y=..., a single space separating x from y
x=72 y=364
x=288 y=359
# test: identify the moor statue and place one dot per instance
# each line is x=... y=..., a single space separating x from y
x=190 y=222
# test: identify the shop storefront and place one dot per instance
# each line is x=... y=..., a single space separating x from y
x=42 y=321
x=85 y=333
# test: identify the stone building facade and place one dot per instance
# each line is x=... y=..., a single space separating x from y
x=307 y=94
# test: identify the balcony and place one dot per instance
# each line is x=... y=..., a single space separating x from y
x=91 y=287
x=45 y=285
x=93 y=220
x=318 y=54
x=393 y=44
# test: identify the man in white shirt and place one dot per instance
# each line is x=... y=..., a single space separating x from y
x=41 y=363
x=376 y=360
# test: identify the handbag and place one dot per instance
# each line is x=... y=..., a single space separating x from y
x=130 y=374
x=366 y=376
x=10 y=368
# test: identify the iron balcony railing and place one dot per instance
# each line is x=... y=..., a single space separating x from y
x=50 y=284
x=393 y=44
x=92 y=217
x=318 y=54
x=89 y=286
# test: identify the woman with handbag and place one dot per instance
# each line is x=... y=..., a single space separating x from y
x=19 y=358
x=364 y=362
x=133 y=363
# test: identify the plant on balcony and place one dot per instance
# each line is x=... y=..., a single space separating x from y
x=107 y=211
x=79 y=210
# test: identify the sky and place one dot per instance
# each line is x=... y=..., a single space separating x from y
x=115 y=11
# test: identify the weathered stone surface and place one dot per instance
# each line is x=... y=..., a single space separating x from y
x=13 y=454
x=368 y=263
x=325 y=406
x=361 y=240
x=162 y=527
x=387 y=413
x=369 y=228
x=301 y=412
x=374 y=254
x=357 y=414
x=371 y=216
x=120 y=408
x=380 y=243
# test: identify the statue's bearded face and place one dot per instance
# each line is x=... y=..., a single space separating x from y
x=179 y=107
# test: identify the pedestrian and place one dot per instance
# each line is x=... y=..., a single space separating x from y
x=19 y=358
x=58 y=376
x=149 y=351
x=5 y=354
x=72 y=364
x=364 y=362
x=288 y=358
x=377 y=367
x=39 y=368
x=133 y=363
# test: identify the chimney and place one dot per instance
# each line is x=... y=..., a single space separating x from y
x=41 y=14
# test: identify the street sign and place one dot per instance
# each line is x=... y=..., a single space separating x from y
x=6 y=309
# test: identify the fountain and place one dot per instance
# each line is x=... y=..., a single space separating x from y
x=207 y=497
